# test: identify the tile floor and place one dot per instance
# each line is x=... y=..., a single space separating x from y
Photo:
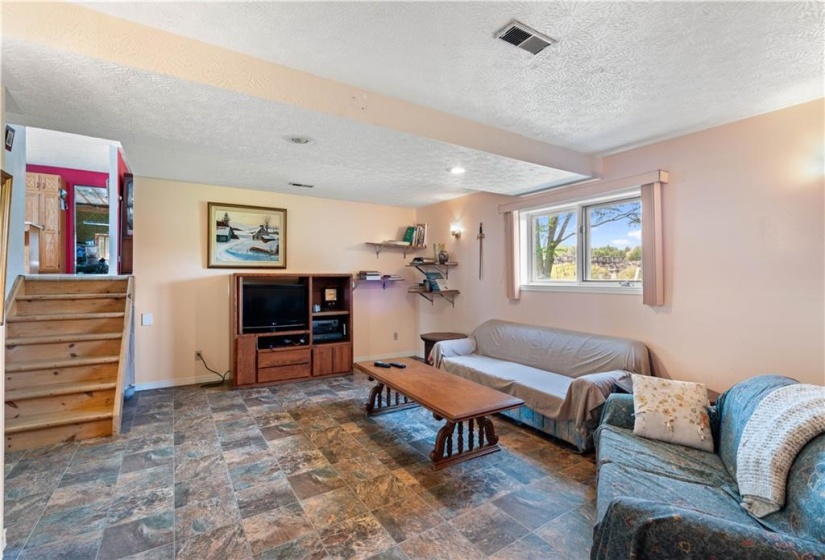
x=292 y=471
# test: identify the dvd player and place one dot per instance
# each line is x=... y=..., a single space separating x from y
x=323 y=337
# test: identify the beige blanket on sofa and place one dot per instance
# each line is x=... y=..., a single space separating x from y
x=782 y=424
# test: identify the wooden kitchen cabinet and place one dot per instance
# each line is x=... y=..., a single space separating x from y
x=43 y=209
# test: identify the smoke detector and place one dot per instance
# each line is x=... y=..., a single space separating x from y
x=525 y=38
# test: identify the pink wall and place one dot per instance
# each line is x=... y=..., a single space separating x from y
x=71 y=177
x=744 y=256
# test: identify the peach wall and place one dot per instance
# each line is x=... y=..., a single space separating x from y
x=744 y=248
x=190 y=302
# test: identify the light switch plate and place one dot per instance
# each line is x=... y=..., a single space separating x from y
x=146 y=319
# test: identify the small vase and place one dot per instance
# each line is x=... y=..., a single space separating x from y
x=443 y=257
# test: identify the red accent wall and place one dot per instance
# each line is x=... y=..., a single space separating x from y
x=71 y=177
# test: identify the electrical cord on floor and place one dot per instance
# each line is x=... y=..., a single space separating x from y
x=221 y=375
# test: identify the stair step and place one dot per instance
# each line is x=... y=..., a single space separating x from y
x=65 y=317
x=57 y=389
x=56 y=364
x=66 y=284
x=52 y=419
x=57 y=339
x=51 y=297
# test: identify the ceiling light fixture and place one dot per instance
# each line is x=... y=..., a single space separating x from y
x=299 y=139
x=457 y=170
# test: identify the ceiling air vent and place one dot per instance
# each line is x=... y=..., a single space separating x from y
x=301 y=185
x=525 y=38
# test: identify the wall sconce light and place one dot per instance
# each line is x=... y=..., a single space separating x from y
x=455 y=230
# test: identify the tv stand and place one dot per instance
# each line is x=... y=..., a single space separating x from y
x=322 y=349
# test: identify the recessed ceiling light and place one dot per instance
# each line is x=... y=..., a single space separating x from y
x=299 y=139
x=457 y=170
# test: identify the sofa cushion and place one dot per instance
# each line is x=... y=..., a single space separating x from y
x=541 y=390
x=616 y=480
x=568 y=353
x=672 y=411
x=735 y=407
x=618 y=445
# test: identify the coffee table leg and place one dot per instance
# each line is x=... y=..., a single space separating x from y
x=385 y=399
x=481 y=439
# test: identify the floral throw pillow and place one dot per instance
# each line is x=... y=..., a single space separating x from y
x=672 y=411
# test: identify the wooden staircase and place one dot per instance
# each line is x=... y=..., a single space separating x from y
x=67 y=354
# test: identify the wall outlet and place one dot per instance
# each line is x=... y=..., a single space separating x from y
x=198 y=356
x=395 y=336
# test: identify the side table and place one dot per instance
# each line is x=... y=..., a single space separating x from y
x=431 y=338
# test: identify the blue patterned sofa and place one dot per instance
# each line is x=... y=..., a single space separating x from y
x=564 y=377
x=663 y=501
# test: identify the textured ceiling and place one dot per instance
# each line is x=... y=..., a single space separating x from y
x=209 y=135
x=622 y=74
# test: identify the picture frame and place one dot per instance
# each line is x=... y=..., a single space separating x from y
x=330 y=298
x=246 y=236
x=128 y=206
x=9 y=138
x=5 y=215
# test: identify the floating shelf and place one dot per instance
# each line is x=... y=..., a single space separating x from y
x=448 y=295
x=378 y=247
x=382 y=281
x=443 y=268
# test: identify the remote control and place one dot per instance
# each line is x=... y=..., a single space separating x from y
x=398 y=365
x=381 y=364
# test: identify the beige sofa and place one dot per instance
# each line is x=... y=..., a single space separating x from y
x=564 y=377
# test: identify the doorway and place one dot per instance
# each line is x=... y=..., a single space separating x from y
x=91 y=231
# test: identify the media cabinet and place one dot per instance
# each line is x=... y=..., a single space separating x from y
x=319 y=347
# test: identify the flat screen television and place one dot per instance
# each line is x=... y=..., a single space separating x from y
x=274 y=307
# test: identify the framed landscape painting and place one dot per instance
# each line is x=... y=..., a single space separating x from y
x=246 y=236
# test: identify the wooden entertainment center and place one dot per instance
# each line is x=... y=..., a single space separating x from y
x=297 y=326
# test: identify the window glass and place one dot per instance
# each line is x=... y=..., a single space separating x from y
x=554 y=246
x=614 y=241
x=593 y=244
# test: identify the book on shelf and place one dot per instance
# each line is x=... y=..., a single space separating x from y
x=442 y=285
x=396 y=242
x=432 y=279
x=369 y=275
x=409 y=235
x=419 y=235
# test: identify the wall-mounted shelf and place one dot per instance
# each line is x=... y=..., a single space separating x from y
x=448 y=295
x=382 y=281
x=443 y=268
x=378 y=247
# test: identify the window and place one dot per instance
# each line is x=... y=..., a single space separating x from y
x=595 y=243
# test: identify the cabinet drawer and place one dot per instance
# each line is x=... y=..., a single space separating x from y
x=283 y=358
x=267 y=374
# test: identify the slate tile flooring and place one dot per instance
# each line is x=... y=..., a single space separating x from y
x=292 y=471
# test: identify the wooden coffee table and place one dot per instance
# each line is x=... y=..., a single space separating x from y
x=450 y=398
